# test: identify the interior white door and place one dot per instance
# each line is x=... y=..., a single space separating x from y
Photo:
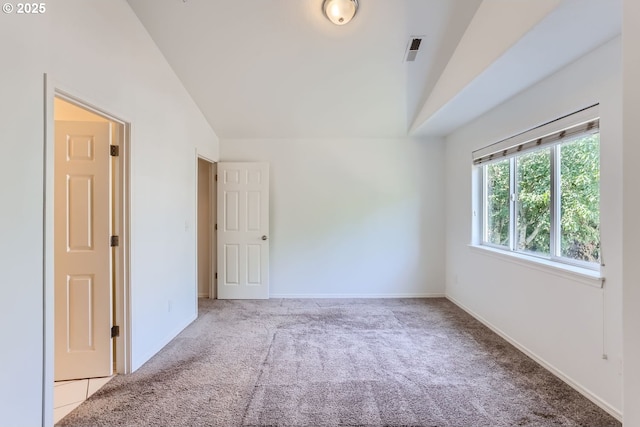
x=243 y=230
x=82 y=217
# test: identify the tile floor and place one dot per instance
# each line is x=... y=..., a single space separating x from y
x=68 y=395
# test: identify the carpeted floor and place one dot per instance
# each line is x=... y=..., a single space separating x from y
x=405 y=362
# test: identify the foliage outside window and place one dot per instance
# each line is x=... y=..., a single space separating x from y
x=580 y=199
x=497 y=203
x=533 y=202
x=546 y=202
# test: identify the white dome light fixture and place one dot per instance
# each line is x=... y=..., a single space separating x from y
x=340 y=12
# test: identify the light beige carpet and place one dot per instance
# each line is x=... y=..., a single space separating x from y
x=405 y=362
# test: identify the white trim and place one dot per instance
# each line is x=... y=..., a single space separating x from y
x=122 y=300
x=197 y=228
x=338 y=296
x=567 y=271
x=212 y=221
x=617 y=414
x=213 y=237
x=47 y=243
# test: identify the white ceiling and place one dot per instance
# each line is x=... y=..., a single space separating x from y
x=280 y=69
x=547 y=35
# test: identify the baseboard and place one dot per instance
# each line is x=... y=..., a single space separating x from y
x=338 y=296
x=174 y=333
x=555 y=371
x=205 y=295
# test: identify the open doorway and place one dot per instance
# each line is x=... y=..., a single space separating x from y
x=207 y=257
x=86 y=206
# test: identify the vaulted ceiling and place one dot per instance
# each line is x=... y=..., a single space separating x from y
x=280 y=69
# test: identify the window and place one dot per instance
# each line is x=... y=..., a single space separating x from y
x=540 y=192
x=497 y=203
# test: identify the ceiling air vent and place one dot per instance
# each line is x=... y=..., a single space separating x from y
x=412 y=48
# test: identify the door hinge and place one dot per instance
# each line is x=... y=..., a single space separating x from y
x=114 y=150
x=215 y=227
x=216 y=177
x=115 y=331
x=115 y=241
x=216 y=275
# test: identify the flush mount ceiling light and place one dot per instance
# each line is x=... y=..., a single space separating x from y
x=340 y=12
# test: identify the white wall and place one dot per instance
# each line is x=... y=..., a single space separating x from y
x=352 y=217
x=99 y=52
x=564 y=323
x=631 y=106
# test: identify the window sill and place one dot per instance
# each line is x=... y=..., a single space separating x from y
x=578 y=274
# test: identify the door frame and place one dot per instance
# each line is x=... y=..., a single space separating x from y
x=121 y=302
x=213 y=216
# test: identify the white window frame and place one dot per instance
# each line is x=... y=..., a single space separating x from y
x=554 y=259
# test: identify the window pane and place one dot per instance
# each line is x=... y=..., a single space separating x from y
x=580 y=198
x=533 y=210
x=497 y=203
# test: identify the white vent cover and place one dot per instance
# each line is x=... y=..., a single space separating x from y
x=412 y=48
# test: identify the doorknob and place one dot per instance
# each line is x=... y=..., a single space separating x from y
x=264 y=237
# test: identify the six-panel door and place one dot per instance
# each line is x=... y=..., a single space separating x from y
x=82 y=214
x=243 y=230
